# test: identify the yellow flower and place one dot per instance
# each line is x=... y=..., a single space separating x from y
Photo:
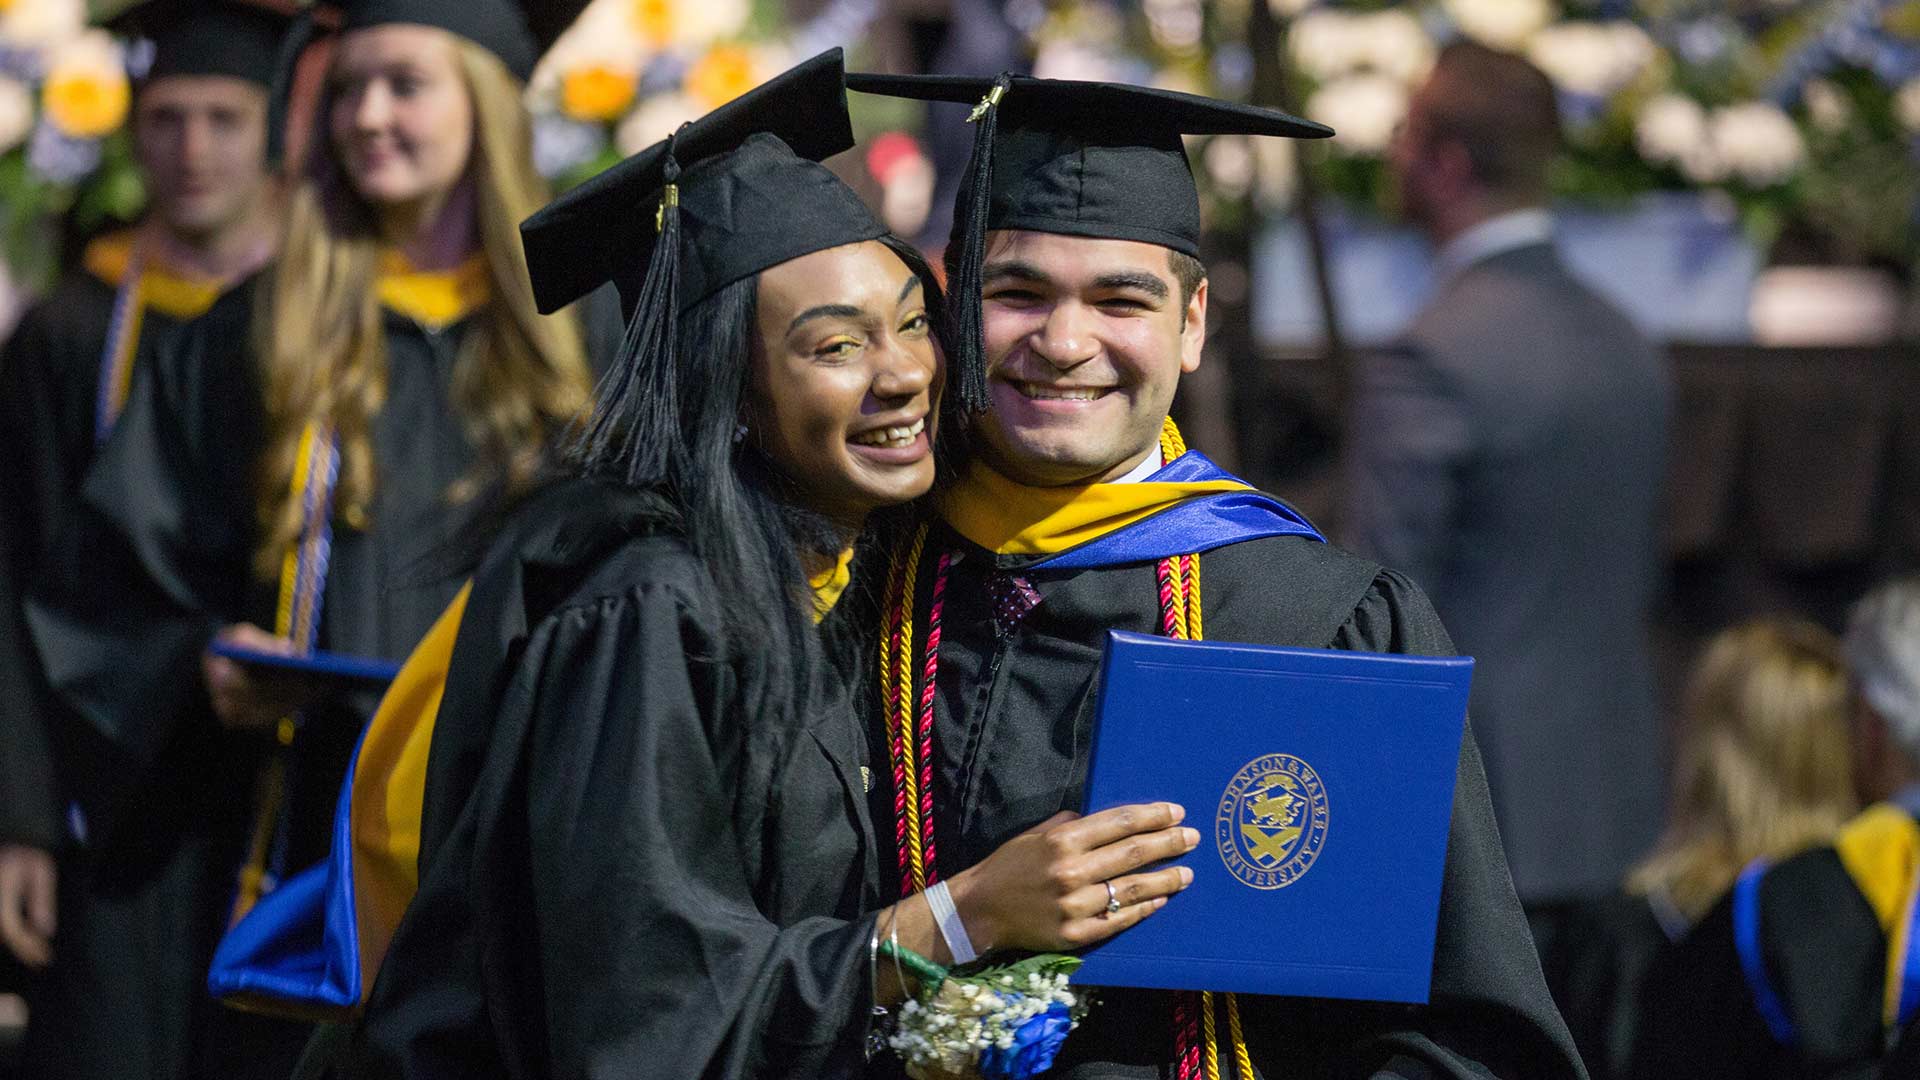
x=654 y=19
x=597 y=92
x=682 y=23
x=85 y=95
x=724 y=73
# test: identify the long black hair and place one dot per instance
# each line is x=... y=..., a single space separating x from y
x=676 y=431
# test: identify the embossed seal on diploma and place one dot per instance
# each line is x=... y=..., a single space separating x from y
x=1272 y=821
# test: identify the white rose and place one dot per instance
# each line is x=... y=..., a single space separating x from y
x=1503 y=24
x=1593 y=59
x=1230 y=164
x=1363 y=111
x=1326 y=44
x=1276 y=167
x=656 y=118
x=1175 y=24
x=1758 y=142
x=1286 y=9
x=1394 y=43
x=1907 y=105
x=1668 y=127
x=1068 y=59
x=702 y=22
x=1702 y=163
x=16 y=113
x=38 y=24
x=93 y=52
x=1827 y=105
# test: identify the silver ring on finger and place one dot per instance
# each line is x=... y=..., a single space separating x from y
x=1113 y=901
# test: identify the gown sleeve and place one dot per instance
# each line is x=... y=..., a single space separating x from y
x=28 y=799
x=636 y=948
x=155 y=557
x=1489 y=1013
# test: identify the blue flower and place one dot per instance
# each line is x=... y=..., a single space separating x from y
x=1034 y=1047
x=60 y=159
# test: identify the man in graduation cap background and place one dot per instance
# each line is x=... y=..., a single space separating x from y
x=200 y=134
x=224 y=791
x=1074 y=268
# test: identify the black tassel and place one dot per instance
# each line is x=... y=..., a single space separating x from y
x=970 y=233
x=642 y=392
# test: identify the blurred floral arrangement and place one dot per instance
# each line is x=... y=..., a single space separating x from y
x=624 y=76
x=1803 y=116
x=631 y=71
x=64 y=94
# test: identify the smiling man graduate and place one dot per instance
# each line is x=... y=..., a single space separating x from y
x=102 y=911
x=1074 y=267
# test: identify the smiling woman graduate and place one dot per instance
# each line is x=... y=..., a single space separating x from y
x=644 y=849
x=285 y=469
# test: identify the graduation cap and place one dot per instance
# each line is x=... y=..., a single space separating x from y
x=516 y=32
x=1100 y=160
x=752 y=195
x=725 y=197
x=207 y=37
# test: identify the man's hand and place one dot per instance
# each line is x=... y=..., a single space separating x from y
x=246 y=698
x=28 y=881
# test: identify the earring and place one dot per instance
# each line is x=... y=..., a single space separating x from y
x=739 y=434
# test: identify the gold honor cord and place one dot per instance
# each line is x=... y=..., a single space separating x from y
x=910 y=737
x=303 y=576
x=1181 y=616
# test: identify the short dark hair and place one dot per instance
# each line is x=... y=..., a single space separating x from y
x=1189 y=272
x=1500 y=109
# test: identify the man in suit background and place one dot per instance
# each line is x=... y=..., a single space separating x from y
x=1508 y=454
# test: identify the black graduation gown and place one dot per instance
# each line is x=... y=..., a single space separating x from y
x=1825 y=954
x=115 y=942
x=166 y=538
x=1611 y=944
x=49 y=384
x=1012 y=724
x=623 y=875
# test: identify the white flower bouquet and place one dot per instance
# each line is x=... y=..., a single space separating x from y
x=995 y=1022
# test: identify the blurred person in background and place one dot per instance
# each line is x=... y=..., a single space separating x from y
x=1508 y=455
x=1803 y=969
x=199 y=137
x=282 y=479
x=1761 y=771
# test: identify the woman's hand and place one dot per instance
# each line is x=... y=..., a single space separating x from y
x=1047 y=889
x=244 y=698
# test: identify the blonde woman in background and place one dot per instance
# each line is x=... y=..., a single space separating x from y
x=287 y=477
x=1761 y=770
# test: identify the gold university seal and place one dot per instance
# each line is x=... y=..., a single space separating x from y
x=1272 y=821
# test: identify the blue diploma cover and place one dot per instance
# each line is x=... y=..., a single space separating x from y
x=1322 y=785
x=345 y=671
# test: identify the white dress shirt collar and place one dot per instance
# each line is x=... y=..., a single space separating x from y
x=1148 y=466
x=1495 y=236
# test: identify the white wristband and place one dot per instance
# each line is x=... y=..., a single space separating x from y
x=947 y=917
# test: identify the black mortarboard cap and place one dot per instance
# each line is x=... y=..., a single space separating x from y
x=1101 y=160
x=207 y=37
x=750 y=195
x=725 y=197
x=517 y=32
